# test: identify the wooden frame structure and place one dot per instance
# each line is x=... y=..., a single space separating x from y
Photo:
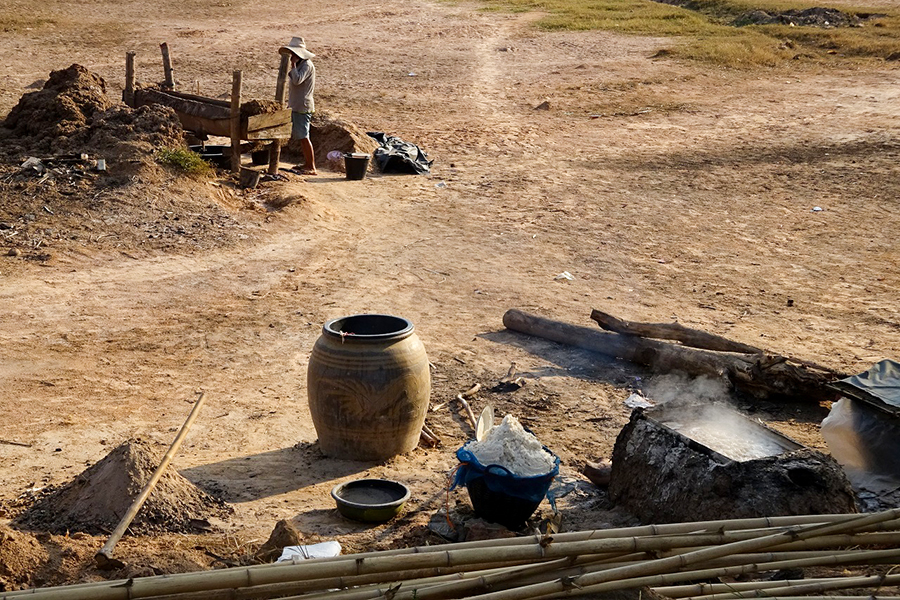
x=208 y=116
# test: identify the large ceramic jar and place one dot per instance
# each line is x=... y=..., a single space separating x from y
x=368 y=386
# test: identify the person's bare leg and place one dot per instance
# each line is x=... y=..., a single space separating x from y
x=309 y=157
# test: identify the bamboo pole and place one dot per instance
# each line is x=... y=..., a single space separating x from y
x=104 y=557
x=699 y=590
x=472 y=554
x=657 y=581
x=168 y=73
x=236 y=122
x=578 y=585
x=428 y=590
x=425 y=576
x=839 y=583
x=128 y=93
x=833 y=559
x=456 y=590
x=834 y=598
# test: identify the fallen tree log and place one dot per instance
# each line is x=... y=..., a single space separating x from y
x=762 y=375
x=694 y=338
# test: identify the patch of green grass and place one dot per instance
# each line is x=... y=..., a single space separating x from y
x=703 y=29
x=183 y=160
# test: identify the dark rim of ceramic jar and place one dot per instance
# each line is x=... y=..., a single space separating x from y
x=369 y=327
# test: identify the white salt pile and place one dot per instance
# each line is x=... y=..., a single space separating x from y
x=510 y=446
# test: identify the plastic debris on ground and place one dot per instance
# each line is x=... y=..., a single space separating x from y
x=321 y=550
x=637 y=401
x=396 y=156
x=862 y=430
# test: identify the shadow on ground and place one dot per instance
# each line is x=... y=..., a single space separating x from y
x=248 y=478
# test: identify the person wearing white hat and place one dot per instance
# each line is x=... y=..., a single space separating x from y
x=300 y=98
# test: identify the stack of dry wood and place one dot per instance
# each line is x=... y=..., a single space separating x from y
x=678 y=560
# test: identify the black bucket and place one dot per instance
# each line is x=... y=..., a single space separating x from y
x=498 y=507
x=260 y=157
x=497 y=494
x=356 y=165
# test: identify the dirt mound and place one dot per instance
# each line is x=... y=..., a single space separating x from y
x=121 y=132
x=329 y=133
x=72 y=113
x=259 y=107
x=62 y=108
x=95 y=500
x=20 y=556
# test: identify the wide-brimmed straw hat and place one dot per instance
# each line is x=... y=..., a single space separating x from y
x=297 y=47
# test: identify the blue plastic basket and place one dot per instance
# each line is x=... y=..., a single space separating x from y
x=497 y=494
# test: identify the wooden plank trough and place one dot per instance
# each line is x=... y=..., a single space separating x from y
x=209 y=116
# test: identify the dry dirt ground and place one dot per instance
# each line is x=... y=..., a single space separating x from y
x=668 y=191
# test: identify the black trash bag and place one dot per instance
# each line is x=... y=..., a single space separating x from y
x=396 y=156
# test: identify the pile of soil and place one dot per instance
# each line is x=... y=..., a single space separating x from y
x=20 y=556
x=259 y=107
x=329 y=133
x=96 y=500
x=73 y=114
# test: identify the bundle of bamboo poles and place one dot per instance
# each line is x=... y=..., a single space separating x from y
x=676 y=560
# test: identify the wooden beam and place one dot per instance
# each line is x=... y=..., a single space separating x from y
x=236 y=122
x=128 y=93
x=276 y=132
x=268 y=120
x=275 y=147
x=167 y=67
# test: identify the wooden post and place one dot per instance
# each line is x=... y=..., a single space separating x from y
x=167 y=67
x=280 y=85
x=128 y=94
x=275 y=146
x=236 y=122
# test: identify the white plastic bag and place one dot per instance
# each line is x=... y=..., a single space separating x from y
x=321 y=550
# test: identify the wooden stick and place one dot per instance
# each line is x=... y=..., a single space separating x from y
x=128 y=92
x=236 y=122
x=169 y=82
x=275 y=146
x=12 y=443
x=104 y=557
x=462 y=399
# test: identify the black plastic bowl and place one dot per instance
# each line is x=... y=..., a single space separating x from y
x=370 y=500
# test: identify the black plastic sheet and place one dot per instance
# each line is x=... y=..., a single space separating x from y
x=396 y=156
